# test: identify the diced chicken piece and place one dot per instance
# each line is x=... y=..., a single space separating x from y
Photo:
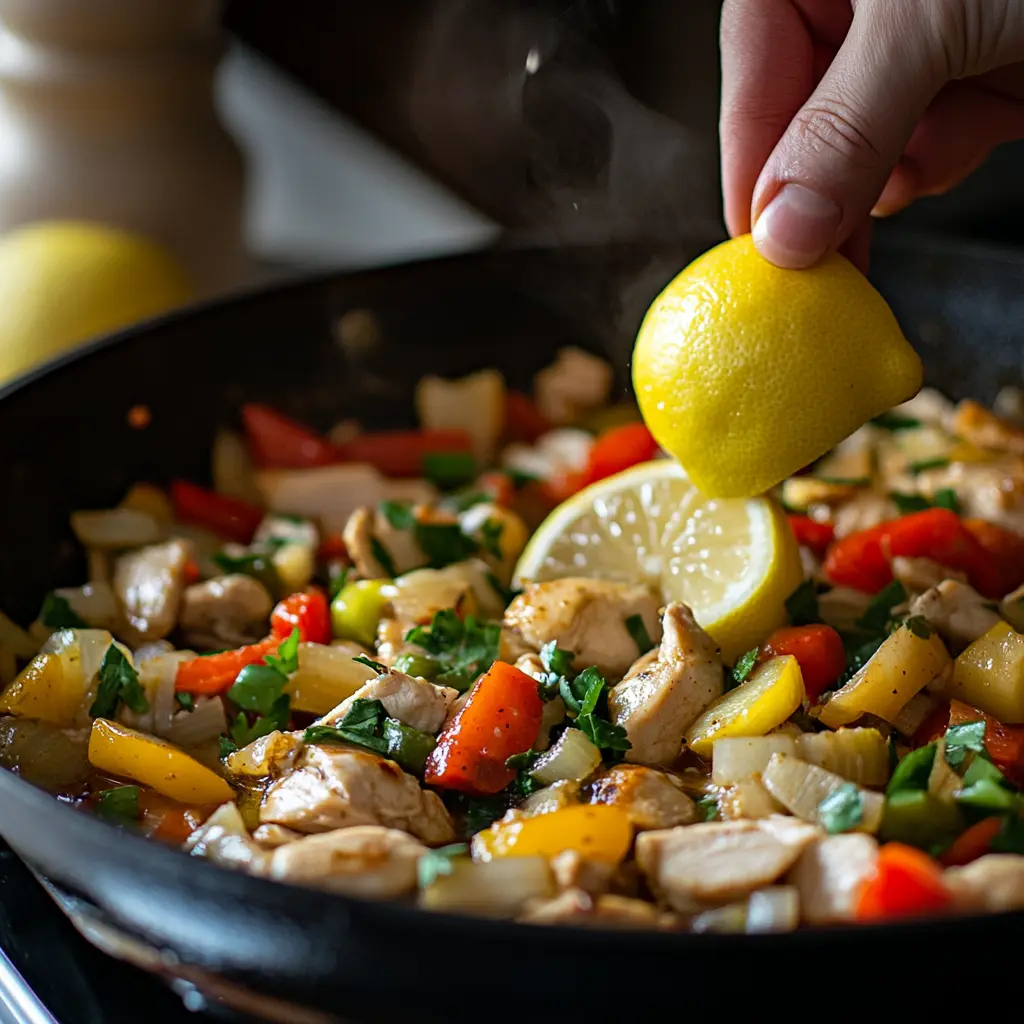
x=920 y=574
x=368 y=531
x=228 y=611
x=863 y=512
x=337 y=788
x=994 y=882
x=715 y=862
x=667 y=689
x=587 y=617
x=993 y=491
x=748 y=799
x=149 y=584
x=577 y=907
x=270 y=837
x=572 y=871
x=366 y=860
x=956 y=611
x=414 y=702
x=651 y=798
x=975 y=424
x=829 y=873
x=575 y=383
x=224 y=839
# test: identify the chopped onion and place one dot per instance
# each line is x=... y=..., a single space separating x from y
x=265 y=754
x=858 y=755
x=152 y=650
x=418 y=595
x=573 y=757
x=730 y=920
x=232 y=468
x=193 y=728
x=551 y=798
x=496 y=888
x=475 y=404
x=737 y=758
x=773 y=909
x=15 y=639
x=81 y=651
x=224 y=839
x=326 y=676
x=800 y=788
x=747 y=799
x=94 y=603
x=115 y=528
x=913 y=714
x=156 y=676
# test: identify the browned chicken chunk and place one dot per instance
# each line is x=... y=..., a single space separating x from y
x=651 y=798
x=411 y=700
x=228 y=611
x=829 y=873
x=149 y=584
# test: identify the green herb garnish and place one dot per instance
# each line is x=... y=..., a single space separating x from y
x=381 y=670
x=945 y=497
x=896 y=421
x=447 y=470
x=913 y=770
x=908 y=503
x=878 y=613
x=842 y=810
x=962 y=740
x=120 y=805
x=286 y=661
x=802 y=605
x=558 y=666
x=436 y=863
x=464 y=650
x=383 y=557
x=337 y=580
x=708 y=807
x=185 y=701
x=638 y=631
x=118 y=683
x=399 y=514
x=743 y=667
x=923 y=465
x=57 y=613
x=918 y=625
x=586 y=696
x=490 y=537
x=522 y=764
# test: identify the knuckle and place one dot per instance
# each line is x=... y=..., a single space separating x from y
x=831 y=127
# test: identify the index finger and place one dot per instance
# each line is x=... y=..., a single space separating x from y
x=770 y=65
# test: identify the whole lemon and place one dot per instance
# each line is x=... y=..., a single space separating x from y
x=746 y=373
x=64 y=282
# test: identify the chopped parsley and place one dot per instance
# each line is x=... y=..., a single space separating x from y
x=923 y=465
x=842 y=810
x=802 y=605
x=879 y=612
x=286 y=661
x=436 y=863
x=444 y=543
x=448 y=470
x=490 y=537
x=708 y=807
x=638 y=631
x=918 y=625
x=963 y=739
x=587 y=693
x=908 y=503
x=57 y=613
x=896 y=421
x=119 y=683
x=185 y=701
x=337 y=580
x=945 y=497
x=255 y=562
x=522 y=764
x=383 y=557
x=367 y=725
x=743 y=667
x=558 y=666
x=119 y=805
x=463 y=501
x=858 y=653
x=381 y=670
x=479 y=812
x=399 y=514
x=463 y=649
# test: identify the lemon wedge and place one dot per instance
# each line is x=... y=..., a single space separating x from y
x=733 y=562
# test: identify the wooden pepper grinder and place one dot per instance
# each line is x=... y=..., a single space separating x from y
x=107 y=114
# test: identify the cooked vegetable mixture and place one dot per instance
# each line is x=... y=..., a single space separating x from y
x=319 y=671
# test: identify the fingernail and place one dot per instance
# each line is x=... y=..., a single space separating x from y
x=797 y=227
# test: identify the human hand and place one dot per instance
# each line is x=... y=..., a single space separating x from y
x=834 y=110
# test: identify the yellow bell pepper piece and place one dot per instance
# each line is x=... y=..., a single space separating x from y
x=902 y=666
x=326 y=676
x=754 y=708
x=990 y=674
x=116 y=749
x=45 y=690
x=598 y=832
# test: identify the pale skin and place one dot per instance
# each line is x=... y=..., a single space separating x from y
x=837 y=111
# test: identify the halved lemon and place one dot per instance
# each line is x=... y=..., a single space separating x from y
x=734 y=562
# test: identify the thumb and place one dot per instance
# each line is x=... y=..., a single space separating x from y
x=828 y=170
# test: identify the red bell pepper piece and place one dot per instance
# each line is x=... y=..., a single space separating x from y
x=818 y=649
x=524 y=422
x=332 y=549
x=1006 y=549
x=277 y=442
x=862 y=560
x=619 y=449
x=230 y=518
x=905 y=883
x=306 y=610
x=811 y=534
x=400 y=453
x=975 y=842
x=1004 y=743
x=500 y=718
x=215 y=674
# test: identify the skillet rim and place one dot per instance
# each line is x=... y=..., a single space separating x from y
x=44 y=806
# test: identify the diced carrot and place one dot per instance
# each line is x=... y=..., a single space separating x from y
x=818 y=649
x=811 y=534
x=500 y=718
x=905 y=883
x=524 y=422
x=215 y=674
x=975 y=842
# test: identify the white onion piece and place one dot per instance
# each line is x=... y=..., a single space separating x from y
x=475 y=404
x=737 y=758
x=152 y=650
x=156 y=676
x=94 y=603
x=81 y=651
x=773 y=909
x=232 y=468
x=729 y=920
x=497 y=888
x=860 y=755
x=224 y=839
x=573 y=757
x=115 y=528
x=15 y=639
x=265 y=754
x=193 y=728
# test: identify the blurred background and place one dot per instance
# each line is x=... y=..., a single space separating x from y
x=154 y=153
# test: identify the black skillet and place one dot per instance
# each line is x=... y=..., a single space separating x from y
x=311 y=350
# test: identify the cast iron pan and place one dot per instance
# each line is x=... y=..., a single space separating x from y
x=66 y=444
